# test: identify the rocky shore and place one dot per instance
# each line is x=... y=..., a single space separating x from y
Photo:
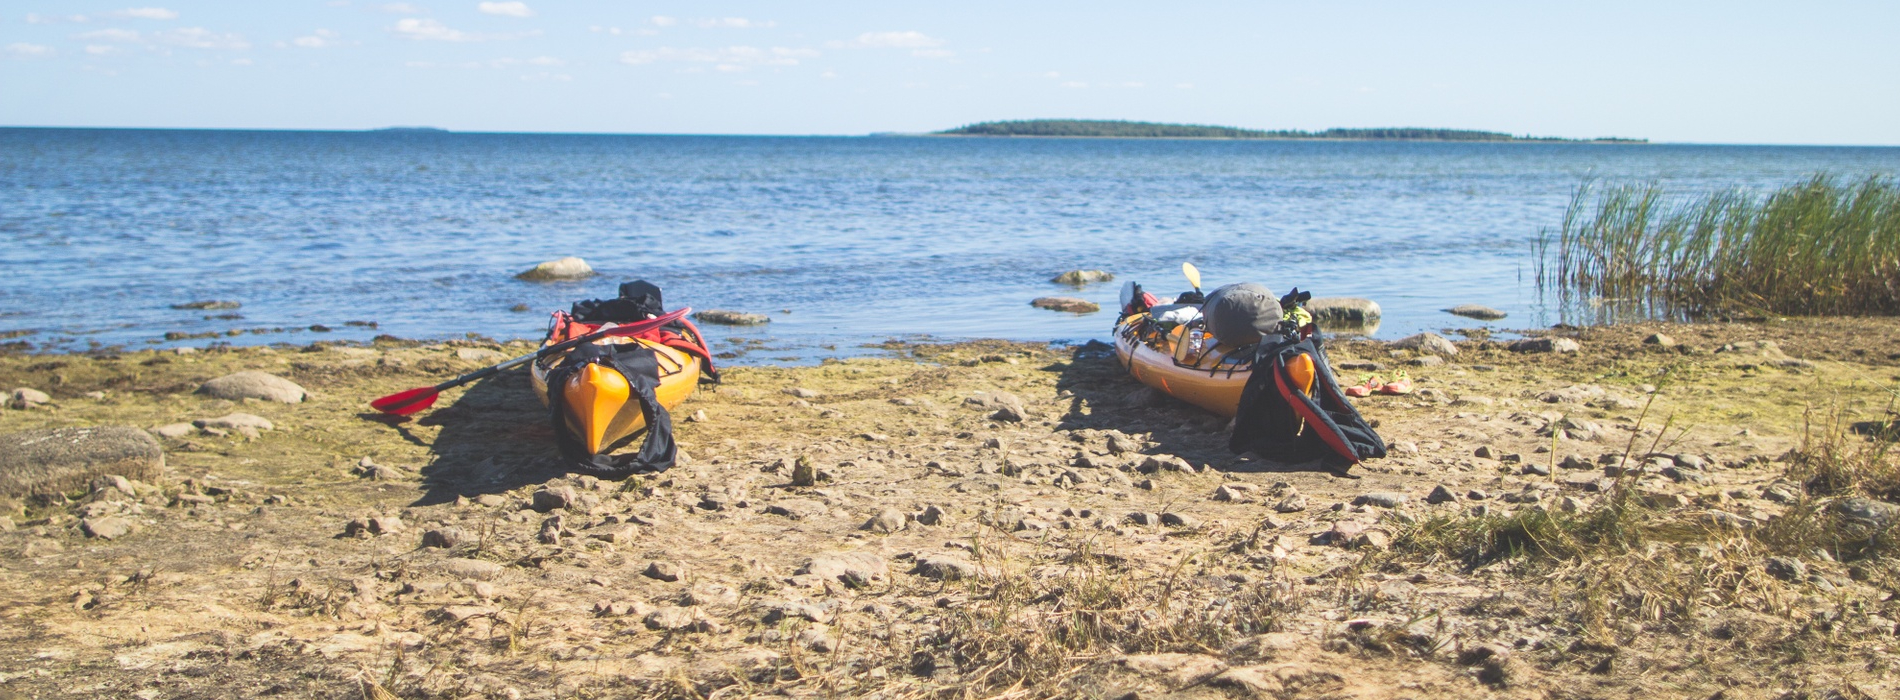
x=1629 y=511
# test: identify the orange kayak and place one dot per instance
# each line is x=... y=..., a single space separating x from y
x=600 y=406
x=1209 y=379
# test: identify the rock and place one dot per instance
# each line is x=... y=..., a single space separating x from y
x=1440 y=494
x=1430 y=343
x=563 y=269
x=1559 y=345
x=699 y=416
x=1180 y=520
x=724 y=317
x=1866 y=511
x=1008 y=414
x=236 y=421
x=1344 y=310
x=669 y=619
x=1485 y=452
x=1482 y=313
x=552 y=498
x=802 y=392
x=777 y=610
x=1177 y=669
x=931 y=515
x=252 y=384
x=175 y=430
x=944 y=567
x=1381 y=499
x=1786 y=568
x=1252 y=681
x=1293 y=503
x=211 y=305
x=482 y=355
x=1141 y=518
x=1426 y=361
x=663 y=571
x=1576 y=461
x=471 y=569
x=385 y=525
x=443 y=538
x=796 y=508
x=1069 y=304
x=885 y=522
x=853 y=569
x=1660 y=340
x=1234 y=493
x=48 y=461
x=1082 y=277
x=1534 y=469
x=817 y=638
x=106 y=528
x=24 y=398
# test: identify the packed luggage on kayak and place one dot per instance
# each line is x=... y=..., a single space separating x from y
x=1239 y=351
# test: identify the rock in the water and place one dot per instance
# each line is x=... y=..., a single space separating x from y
x=106 y=528
x=1432 y=343
x=1082 y=277
x=56 y=460
x=1069 y=304
x=1345 y=310
x=563 y=269
x=1544 y=345
x=731 y=318
x=1482 y=313
x=253 y=384
x=24 y=398
x=211 y=305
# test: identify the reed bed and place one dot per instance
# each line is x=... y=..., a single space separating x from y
x=1816 y=247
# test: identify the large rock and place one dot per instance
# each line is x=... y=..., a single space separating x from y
x=1544 y=345
x=1349 y=311
x=57 y=460
x=253 y=384
x=563 y=269
x=1069 y=304
x=731 y=318
x=1431 y=343
x=25 y=397
x=1082 y=277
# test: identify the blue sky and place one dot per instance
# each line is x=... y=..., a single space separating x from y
x=1732 y=72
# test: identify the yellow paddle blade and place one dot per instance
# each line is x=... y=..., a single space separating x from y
x=1193 y=275
x=1302 y=370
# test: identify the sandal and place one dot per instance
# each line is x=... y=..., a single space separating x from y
x=1359 y=391
x=1400 y=384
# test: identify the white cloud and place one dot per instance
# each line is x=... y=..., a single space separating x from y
x=505 y=9
x=829 y=75
x=320 y=39
x=932 y=53
x=548 y=78
x=731 y=23
x=99 y=49
x=1052 y=74
x=25 y=50
x=889 y=40
x=143 y=13
x=543 y=61
x=664 y=21
x=32 y=18
x=1076 y=84
x=429 y=30
x=200 y=38
x=402 y=8
x=731 y=58
x=114 y=34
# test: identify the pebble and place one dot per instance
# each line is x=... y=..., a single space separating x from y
x=1293 y=503
x=1082 y=277
x=1180 y=520
x=1536 y=345
x=107 y=528
x=931 y=515
x=885 y=522
x=252 y=384
x=1068 y=304
x=802 y=392
x=1660 y=340
x=663 y=571
x=725 y=317
x=1482 y=313
x=1431 y=343
x=1440 y=494
x=551 y=498
x=443 y=538
x=471 y=569
x=944 y=567
x=24 y=398
x=1381 y=499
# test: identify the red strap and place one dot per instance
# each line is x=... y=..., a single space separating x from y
x=1303 y=406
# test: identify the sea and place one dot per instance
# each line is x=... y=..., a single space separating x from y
x=845 y=242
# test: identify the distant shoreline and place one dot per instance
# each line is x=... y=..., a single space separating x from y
x=1099 y=128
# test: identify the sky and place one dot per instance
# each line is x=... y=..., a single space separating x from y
x=1698 y=72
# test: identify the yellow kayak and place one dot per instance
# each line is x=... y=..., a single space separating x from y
x=599 y=402
x=1208 y=379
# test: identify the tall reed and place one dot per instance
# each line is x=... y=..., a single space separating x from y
x=1816 y=247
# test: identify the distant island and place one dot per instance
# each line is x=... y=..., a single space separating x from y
x=413 y=129
x=1097 y=128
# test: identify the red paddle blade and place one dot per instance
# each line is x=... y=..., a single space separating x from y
x=406 y=402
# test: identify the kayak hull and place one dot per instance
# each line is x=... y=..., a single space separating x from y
x=599 y=408
x=1207 y=384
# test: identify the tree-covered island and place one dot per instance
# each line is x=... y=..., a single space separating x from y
x=1099 y=128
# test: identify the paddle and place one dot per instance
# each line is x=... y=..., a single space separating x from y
x=413 y=400
x=1193 y=275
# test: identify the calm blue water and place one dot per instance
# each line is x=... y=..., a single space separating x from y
x=843 y=241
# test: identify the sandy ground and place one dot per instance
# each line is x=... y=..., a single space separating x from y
x=1105 y=546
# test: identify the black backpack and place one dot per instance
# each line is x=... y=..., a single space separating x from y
x=1278 y=421
x=638 y=301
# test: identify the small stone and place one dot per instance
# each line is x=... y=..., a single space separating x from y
x=1482 y=313
x=385 y=525
x=853 y=569
x=1293 y=503
x=663 y=571
x=569 y=268
x=1233 y=493
x=1141 y=518
x=669 y=619
x=1557 y=345
x=560 y=497
x=1535 y=469
x=443 y=538
x=471 y=569
x=1440 y=494
x=931 y=515
x=1660 y=340
x=817 y=638
x=1786 y=568
x=1430 y=343
x=211 y=305
x=25 y=398
x=699 y=416
x=885 y=522
x=1426 y=361
x=723 y=317
x=1008 y=414
x=1067 y=304
x=1180 y=520
x=1576 y=461
x=802 y=392
x=943 y=567
x=1485 y=452
x=1381 y=499
x=108 y=528
x=175 y=430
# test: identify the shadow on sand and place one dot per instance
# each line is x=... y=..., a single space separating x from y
x=496 y=437
x=1102 y=391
